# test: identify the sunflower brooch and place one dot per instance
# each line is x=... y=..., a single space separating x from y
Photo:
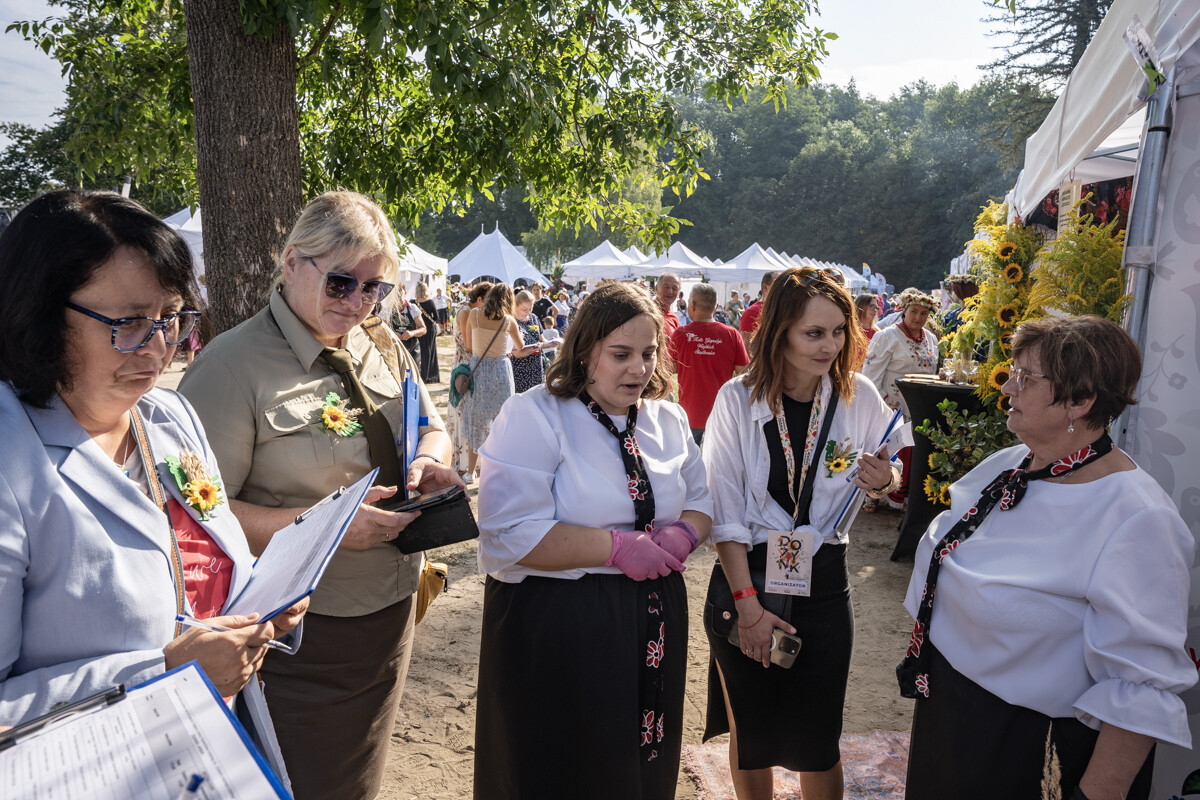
x=838 y=457
x=335 y=417
x=201 y=491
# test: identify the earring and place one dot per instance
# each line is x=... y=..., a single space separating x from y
x=1071 y=427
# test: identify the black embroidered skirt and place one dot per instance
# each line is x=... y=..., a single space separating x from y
x=967 y=742
x=790 y=718
x=562 y=665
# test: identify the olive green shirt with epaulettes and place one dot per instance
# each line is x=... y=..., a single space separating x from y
x=259 y=389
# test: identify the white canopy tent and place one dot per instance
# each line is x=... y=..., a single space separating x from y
x=492 y=255
x=602 y=261
x=187 y=224
x=1162 y=431
x=679 y=259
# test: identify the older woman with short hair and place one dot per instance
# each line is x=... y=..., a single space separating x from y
x=264 y=389
x=1051 y=599
x=100 y=544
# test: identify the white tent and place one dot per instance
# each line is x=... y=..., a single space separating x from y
x=602 y=261
x=187 y=225
x=637 y=255
x=747 y=266
x=1162 y=431
x=1101 y=94
x=679 y=259
x=491 y=255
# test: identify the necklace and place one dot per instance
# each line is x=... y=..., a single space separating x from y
x=918 y=338
x=126 y=448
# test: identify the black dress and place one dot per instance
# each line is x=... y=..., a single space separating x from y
x=429 y=357
x=403 y=319
x=791 y=718
x=528 y=371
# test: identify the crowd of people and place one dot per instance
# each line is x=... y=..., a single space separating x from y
x=610 y=435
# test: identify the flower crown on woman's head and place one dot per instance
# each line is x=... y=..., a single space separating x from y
x=915 y=296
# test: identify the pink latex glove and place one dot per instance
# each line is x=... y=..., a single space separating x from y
x=679 y=539
x=636 y=554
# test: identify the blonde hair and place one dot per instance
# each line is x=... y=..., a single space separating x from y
x=421 y=292
x=346 y=227
x=524 y=297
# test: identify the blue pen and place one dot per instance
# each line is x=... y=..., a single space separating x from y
x=191 y=622
x=192 y=789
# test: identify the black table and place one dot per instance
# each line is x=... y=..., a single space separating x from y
x=922 y=398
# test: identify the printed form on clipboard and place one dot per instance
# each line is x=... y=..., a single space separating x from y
x=292 y=564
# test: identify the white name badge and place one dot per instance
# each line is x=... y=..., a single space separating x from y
x=789 y=562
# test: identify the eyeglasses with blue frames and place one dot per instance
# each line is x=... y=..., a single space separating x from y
x=132 y=333
x=1019 y=376
x=339 y=286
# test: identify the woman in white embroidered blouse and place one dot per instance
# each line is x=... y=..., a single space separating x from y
x=592 y=493
x=762 y=445
x=1059 y=619
x=903 y=349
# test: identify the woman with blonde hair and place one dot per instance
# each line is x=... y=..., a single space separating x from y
x=264 y=391
x=592 y=494
x=490 y=335
x=777 y=448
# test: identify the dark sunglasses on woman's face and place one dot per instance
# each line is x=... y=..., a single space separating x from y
x=340 y=286
x=132 y=333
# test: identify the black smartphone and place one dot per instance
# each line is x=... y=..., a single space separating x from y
x=442 y=495
x=784 y=646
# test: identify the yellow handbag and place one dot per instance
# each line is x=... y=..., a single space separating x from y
x=434 y=578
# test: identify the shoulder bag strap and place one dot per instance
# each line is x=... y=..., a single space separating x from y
x=160 y=500
x=495 y=336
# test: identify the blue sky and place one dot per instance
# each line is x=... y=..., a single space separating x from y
x=883 y=45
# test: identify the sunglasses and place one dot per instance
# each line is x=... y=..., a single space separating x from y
x=809 y=275
x=132 y=333
x=339 y=286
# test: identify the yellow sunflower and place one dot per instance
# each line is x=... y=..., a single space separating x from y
x=202 y=495
x=944 y=494
x=1004 y=404
x=932 y=461
x=1006 y=315
x=1006 y=340
x=1006 y=250
x=838 y=464
x=931 y=488
x=1013 y=273
x=335 y=419
x=1000 y=375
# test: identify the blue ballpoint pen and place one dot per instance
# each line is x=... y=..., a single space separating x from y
x=192 y=622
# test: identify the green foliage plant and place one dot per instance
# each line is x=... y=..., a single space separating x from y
x=959 y=444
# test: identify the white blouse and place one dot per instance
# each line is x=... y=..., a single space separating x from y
x=547 y=460
x=738 y=462
x=892 y=355
x=1073 y=603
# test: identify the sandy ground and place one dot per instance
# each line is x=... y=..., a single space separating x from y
x=433 y=742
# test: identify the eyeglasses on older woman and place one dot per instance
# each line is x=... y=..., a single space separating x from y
x=132 y=333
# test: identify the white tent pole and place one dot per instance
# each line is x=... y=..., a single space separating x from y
x=1139 y=256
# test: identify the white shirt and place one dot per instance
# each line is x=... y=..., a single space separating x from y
x=439 y=301
x=547 y=460
x=738 y=462
x=892 y=355
x=1074 y=603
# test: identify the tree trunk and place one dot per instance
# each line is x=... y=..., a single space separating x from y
x=247 y=153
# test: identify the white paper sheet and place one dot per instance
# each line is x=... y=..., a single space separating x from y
x=144 y=747
x=292 y=564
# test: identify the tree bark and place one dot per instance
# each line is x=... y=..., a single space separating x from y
x=247 y=153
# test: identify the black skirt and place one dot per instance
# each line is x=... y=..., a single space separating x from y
x=560 y=666
x=790 y=718
x=967 y=742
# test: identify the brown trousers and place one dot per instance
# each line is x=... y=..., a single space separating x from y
x=334 y=702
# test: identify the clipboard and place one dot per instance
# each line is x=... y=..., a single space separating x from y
x=144 y=744
x=410 y=429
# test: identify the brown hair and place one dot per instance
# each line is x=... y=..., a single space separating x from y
x=478 y=291
x=499 y=302
x=784 y=306
x=1085 y=357
x=602 y=312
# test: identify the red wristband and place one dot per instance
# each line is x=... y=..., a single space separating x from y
x=742 y=594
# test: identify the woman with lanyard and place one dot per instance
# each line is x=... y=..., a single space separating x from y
x=778 y=447
x=1058 y=627
x=592 y=495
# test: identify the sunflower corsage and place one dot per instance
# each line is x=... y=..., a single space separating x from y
x=335 y=417
x=201 y=492
x=838 y=457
